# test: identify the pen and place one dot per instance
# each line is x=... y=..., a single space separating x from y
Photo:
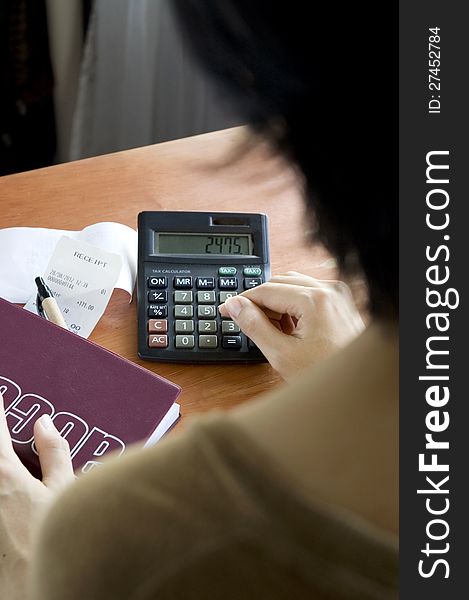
x=47 y=304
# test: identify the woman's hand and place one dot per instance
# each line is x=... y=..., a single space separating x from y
x=24 y=499
x=296 y=320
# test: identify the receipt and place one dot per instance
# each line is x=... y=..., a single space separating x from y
x=26 y=251
x=82 y=278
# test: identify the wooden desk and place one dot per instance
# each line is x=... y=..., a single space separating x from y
x=185 y=174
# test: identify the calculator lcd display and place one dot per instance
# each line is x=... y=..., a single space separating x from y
x=202 y=243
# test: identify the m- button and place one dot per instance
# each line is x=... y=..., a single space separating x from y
x=205 y=283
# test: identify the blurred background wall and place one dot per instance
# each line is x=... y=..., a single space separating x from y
x=81 y=78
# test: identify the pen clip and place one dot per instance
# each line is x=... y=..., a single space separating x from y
x=40 y=310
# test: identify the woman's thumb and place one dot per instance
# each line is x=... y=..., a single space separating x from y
x=54 y=454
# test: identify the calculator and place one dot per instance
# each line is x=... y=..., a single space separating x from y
x=188 y=264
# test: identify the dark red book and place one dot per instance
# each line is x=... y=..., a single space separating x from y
x=99 y=401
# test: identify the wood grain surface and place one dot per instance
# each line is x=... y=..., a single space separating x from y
x=198 y=173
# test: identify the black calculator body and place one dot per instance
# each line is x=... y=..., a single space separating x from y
x=188 y=264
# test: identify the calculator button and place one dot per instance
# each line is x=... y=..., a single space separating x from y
x=227 y=283
x=205 y=283
x=155 y=310
x=207 y=326
x=231 y=342
x=183 y=312
x=157 y=282
x=182 y=297
x=158 y=297
x=184 y=326
x=182 y=283
x=252 y=271
x=225 y=295
x=208 y=341
x=206 y=297
x=229 y=327
x=251 y=282
x=157 y=326
x=227 y=270
x=206 y=312
x=185 y=341
x=157 y=341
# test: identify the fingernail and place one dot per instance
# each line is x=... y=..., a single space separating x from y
x=46 y=422
x=234 y=306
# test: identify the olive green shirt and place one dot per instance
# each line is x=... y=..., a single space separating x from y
x=205 y=515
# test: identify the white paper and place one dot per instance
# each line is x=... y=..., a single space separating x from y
x=166 y=422
x=25 y=253
x=82 y=278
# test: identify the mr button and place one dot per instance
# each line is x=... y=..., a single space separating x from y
x=182 y=283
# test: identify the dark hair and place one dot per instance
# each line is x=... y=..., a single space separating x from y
x=321 y=84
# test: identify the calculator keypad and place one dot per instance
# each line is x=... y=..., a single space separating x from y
x=183 y=310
